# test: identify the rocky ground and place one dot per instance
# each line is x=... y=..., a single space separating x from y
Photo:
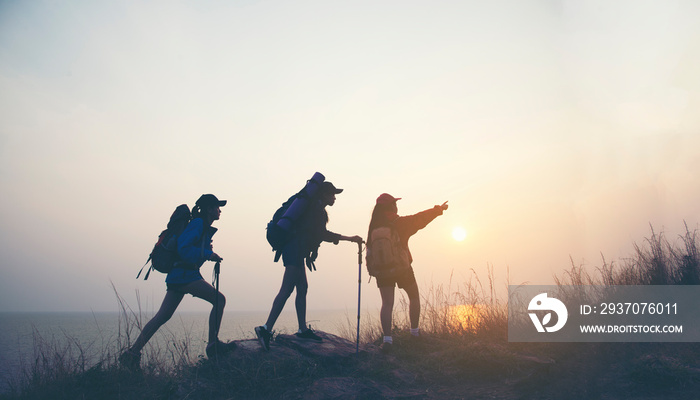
x=449 y=368
x=431 y=368
x=333 y=369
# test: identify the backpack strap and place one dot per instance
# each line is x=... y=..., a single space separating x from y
x=148 y=271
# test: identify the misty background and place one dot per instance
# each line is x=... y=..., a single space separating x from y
x=557 y=130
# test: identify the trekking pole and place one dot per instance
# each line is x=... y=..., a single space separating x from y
x=359 y=285
x=217 y=269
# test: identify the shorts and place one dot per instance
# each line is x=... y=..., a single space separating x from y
x=291 y=254
x=177 y=287
x=403 y=281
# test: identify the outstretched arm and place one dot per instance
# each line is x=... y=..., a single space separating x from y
x=411 y=224
x=336 y=237
x=356 y=238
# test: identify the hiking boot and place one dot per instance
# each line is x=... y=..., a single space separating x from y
x=387 y=348
x=309 y=335
x=130 y=360
x=220 y=348
x=264 y=337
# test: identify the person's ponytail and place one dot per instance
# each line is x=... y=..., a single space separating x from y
x=378 y=218
x=196 y=212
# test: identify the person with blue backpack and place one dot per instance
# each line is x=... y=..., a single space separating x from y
x=300 y=249
x=194 y=247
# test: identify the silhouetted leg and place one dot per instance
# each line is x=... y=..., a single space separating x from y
x=413 y=305
x=167 y=308
x=204 y=290
x=288 y=284
x=385 y=314
x=302 y=286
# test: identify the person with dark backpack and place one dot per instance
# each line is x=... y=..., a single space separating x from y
x=164 y=255
x=307 y=229
x=194 y=247
x=389 y=259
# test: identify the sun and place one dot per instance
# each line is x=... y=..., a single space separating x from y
x=459 y=234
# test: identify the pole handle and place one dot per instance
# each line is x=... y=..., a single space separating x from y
x=217 y=269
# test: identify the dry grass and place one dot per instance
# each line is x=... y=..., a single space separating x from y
x=657 y=261
x=465 y=330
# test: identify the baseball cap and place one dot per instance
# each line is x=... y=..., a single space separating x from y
x=327 y=187
x=209 y=200
x=386 y=198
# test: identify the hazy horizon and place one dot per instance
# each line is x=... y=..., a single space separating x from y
x=558 y=131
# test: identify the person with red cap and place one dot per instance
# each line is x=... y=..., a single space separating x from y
x=385 y=214
x=194 y=248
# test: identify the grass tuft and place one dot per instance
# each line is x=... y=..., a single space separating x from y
x=463 y=352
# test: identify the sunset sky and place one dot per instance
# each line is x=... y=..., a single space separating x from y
x=557 y=131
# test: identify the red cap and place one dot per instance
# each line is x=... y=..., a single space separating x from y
x=386 y=198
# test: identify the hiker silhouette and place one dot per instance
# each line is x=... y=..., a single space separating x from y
x=385 y=214
x=300 y=250
x=194 y=247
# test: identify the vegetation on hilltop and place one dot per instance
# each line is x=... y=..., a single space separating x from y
x=463 y=353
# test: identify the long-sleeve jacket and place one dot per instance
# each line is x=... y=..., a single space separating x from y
x=408 y=225
x=312 y=229
x=194 y=248
x=194 y=244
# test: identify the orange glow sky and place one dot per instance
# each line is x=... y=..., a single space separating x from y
x=556 y=130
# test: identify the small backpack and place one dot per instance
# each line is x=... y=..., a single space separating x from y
x=164 y=254
x=386 y=257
